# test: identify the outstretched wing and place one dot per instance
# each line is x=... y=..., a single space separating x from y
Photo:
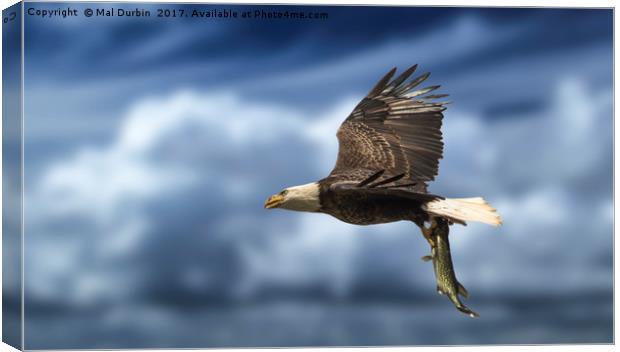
x=395 y=128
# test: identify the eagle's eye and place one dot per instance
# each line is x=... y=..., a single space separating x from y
x=283 y=193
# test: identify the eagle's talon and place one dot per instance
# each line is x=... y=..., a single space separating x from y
x=427 y=232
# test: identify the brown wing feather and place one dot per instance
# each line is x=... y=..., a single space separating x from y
x=390 y=131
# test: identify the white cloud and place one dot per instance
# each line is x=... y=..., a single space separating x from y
x=530 y=177
x=110 y=186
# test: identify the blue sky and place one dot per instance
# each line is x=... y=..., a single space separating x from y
x=151 y=145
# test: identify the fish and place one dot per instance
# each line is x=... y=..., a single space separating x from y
x=461 y=289
x=447 y=284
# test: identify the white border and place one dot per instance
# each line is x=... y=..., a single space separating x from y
x=479 y=3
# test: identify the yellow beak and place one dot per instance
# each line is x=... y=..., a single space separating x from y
x=274 y=201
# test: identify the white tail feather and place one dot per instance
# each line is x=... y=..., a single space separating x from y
x=465 y=209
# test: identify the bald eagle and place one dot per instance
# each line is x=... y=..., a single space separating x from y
x=389 y=149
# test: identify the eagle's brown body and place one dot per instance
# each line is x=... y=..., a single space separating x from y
x=359 y=208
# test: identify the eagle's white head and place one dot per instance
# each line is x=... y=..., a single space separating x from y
x=299 y=198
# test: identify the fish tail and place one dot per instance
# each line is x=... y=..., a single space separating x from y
x=467 y=311
x=460 y=306
x=464 y=209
